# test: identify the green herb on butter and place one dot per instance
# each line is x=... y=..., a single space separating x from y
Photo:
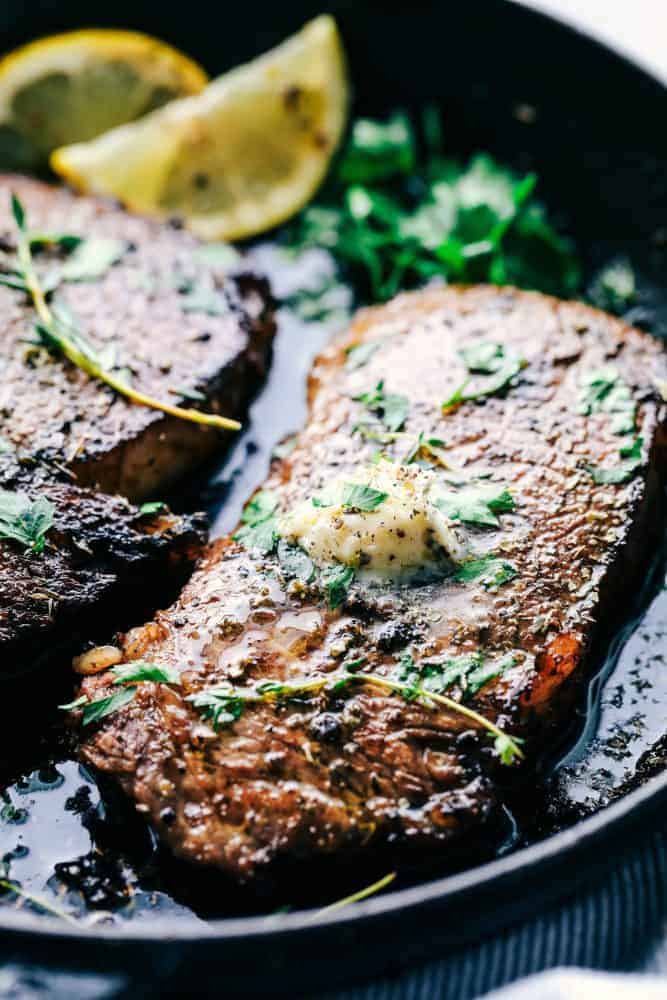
x=357 y=497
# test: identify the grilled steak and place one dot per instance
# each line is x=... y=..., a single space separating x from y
x=182 y=333
x=165 y=315
x=546 y=465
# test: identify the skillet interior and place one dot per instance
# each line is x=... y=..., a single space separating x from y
x=600 y=151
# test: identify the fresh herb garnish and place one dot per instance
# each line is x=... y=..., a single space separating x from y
x=152 y=507
x=489 y=570
x=497 y=364
x=294 y=562
x=432 y=449
x=357 y=497
x=603 y=390
x=614 y=288
x=392 y=222
x=57 y=334
x=224 y=704
x=478 y=505
x=259 y=520
x=218 y=255
x=93 y=711
x=91 y=259
x=378 y=150
x=24 y=520
x=391 y=408
x=140 y=670
x=356 y=897
x=337 y=582
x=360 y=354
x=631 y=453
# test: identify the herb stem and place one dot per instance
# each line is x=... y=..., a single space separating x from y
x=440 y=699
x=38 y=901
x=81 y=358
x=356 y=897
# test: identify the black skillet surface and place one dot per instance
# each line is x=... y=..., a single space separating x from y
x=599 y=143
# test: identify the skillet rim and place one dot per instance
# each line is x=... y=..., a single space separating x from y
x=567 y=844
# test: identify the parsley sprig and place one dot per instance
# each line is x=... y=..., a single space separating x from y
x=224 y=704
x=60 y=334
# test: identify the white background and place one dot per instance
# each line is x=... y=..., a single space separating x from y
x=636 y=27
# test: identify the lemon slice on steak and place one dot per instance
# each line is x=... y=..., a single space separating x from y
x=72 y=87
x=239 y=158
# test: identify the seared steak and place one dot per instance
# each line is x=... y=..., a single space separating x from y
x=183 y=333
x=171 y=319
x=546 y=465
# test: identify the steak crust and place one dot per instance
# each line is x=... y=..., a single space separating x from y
x=184 y=331
x=338 y=772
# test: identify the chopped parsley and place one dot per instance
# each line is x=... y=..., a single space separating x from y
x=394 y=218
x=259 y=520
x=140 y=670
x=614 y=288
x=92 y=258
x=477 y=505
x=489 y=570
x=24 y=520
x=360 y=354
x=631 y=453
x=357 y=497
x=337 y=582
x=391 y=408
x=603 y=390
x=93 y=711
x=152 y=507
x=294 y=562
x=497 y=366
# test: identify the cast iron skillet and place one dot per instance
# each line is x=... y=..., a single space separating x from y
x=599 y=144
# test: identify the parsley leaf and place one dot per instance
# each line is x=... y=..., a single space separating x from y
x=624 y=471
x=392 y=408
x=378 y=150
x=603 y=390
x=221 y=706
x=93 y=711
x=152 y=507
x=140 y=670
x=92 y=258
x=499 y=364
x=360 y=354
x=489 y=570
x=25 y=521
x=364 y=498
x=614 y=288
x=478 y=505
x=507 y=748
x=259 y=522
x=294 y=562
x=338 y=581
x=393 y=222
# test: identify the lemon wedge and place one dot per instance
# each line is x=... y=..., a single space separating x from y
x=242 y=156
x=72 y=87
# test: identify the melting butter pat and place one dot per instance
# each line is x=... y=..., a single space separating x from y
x=402 y=532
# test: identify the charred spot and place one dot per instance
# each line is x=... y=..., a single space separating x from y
x=326 y=727
x=395 y=635
x=292 y=97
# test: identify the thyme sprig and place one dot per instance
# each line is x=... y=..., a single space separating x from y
x=55 y=332
x=224 y=704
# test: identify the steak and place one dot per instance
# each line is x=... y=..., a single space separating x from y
x=547 y=464
x=182 y=332
x=172 y=320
